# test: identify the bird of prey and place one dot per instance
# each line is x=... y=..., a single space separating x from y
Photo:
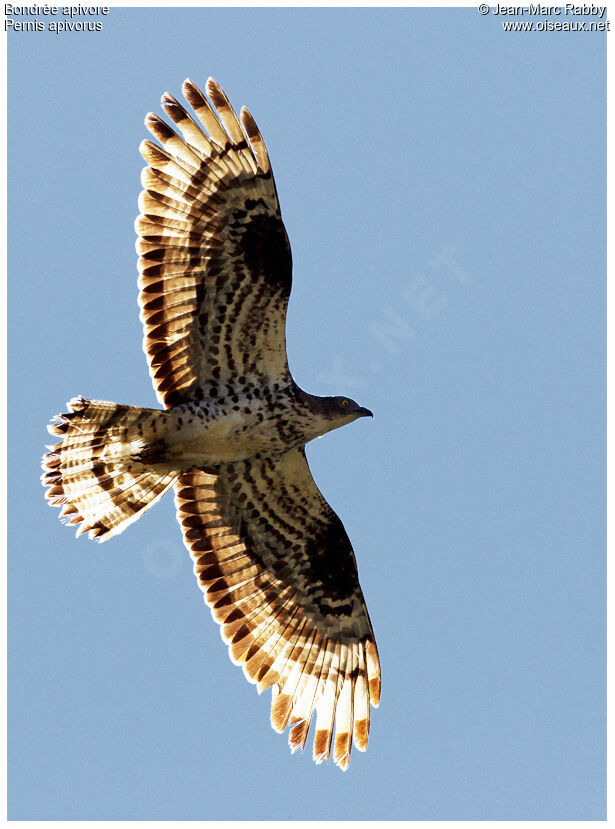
x=271 y=556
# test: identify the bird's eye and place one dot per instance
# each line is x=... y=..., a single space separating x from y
x=345 y=403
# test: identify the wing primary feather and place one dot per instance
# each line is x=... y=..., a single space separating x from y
x=361 y=703
x=373 y=672
x=188 y=128
x=201 y=106
x=291 y=678
x=303 y=705
x=325 y=706
x=171 y=141
x=225 y=111
x=344 y=714
x=256 y=140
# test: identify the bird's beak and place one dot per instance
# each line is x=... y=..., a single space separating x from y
x=365 y=413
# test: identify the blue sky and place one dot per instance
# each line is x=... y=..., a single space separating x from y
x=443 y=186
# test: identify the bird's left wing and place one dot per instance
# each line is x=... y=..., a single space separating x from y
x=279 y=574
x=215 y=262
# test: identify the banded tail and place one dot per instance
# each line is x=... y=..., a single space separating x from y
x=103 y=473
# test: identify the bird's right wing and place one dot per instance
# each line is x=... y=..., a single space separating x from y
x=280 y=577
x=215 y=262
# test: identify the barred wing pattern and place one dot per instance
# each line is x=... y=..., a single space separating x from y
x=215 y=262
x=279 y=574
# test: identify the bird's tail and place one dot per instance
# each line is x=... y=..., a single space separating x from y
x=109 y=468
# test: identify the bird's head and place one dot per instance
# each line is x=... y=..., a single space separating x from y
x=344 y=410
x=329 y=413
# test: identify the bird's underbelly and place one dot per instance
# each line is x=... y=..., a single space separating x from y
x=225 y=437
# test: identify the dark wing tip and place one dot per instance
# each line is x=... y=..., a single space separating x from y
x=212 y=85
